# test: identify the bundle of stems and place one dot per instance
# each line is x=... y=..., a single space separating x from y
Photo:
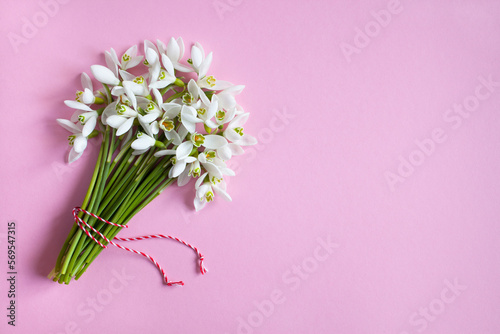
x=122 y=184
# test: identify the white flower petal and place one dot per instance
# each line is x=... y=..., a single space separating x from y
x=213 y=170
x=125 y=126
x=89 y=126
x=164 y=152
x=196 y=57
x=178 y=168
x=247 y=140
x=79 y=144
x=86 y=82
x=73 y=155
x=214 y=142
x=104 y=75
x=222 y=193
x=198 y=204
x=224 y=152
x=183 y=150
x=235 y=149
x=68 y=125
x=77 y=105
x=115 y=121
x=167 y=63
x=143 y=142
x=205 y=66
x=183 y=178
x=88 y=96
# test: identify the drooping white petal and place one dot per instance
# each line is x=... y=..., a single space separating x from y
x=115 y=121
x=213 y=170
x=198 y=204
x=125 y=126
x=173 y=50
x=86 y=82
x=111 y=61
x=178 y=168
x=214 y=142
x=167 y=63
x=164 y=152
x=183 y=178
x=196 y=57
x=200 y=180
x=88 y=96
x=235 y=149
x=183 y=150
x=133 y=62
x=77 y=105
x=205 y=65
x=104 y=75
x=247 y=140
x=143 y=142
x=222 y=193
x=73 y=155
x=174 y=137
x=79 y=144
x=89 y=126
x=68 y=125
x=224 y=152
x=158 y=96
x=239 y=120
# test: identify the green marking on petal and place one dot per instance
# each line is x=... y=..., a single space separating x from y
x=197 y=139
x=126 y=57
x=187 y=98
x=167 y=124
x=162 y=75
x=209 y=196
x=139 y=80
x=151 y=106
x=239 y=131
x=71 y=140
x=81 y=118
x=120 y=109
x=202 y=111
x=195 y=171
x=79 y=96
x=211 y=81
x=210 y=155
x=220 y=115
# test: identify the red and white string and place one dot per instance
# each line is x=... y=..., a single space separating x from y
x=81 y=223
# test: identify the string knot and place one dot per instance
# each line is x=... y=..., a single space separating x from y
x=86 y=227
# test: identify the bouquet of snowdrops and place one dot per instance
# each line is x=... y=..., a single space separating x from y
x=170 y=121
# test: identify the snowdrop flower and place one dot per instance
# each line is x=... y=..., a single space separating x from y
x=77 y=140
x=167 y=76
x=145 y=140
x=87 y=95
x=234 y=131
x=208 y=141
x=128 y=60
x=88 y=119
x=202 y=125
x=175 y=51
x=104 y=75
x=123 y=119
x=179 y=165
x=206 y=113
x=205 y=192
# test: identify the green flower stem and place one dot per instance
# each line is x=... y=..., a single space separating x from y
x=104 y=166
x=130 y=202
x=114 y=232
x=65 y=251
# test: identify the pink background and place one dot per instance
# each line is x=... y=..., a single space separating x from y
x=321 y=174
